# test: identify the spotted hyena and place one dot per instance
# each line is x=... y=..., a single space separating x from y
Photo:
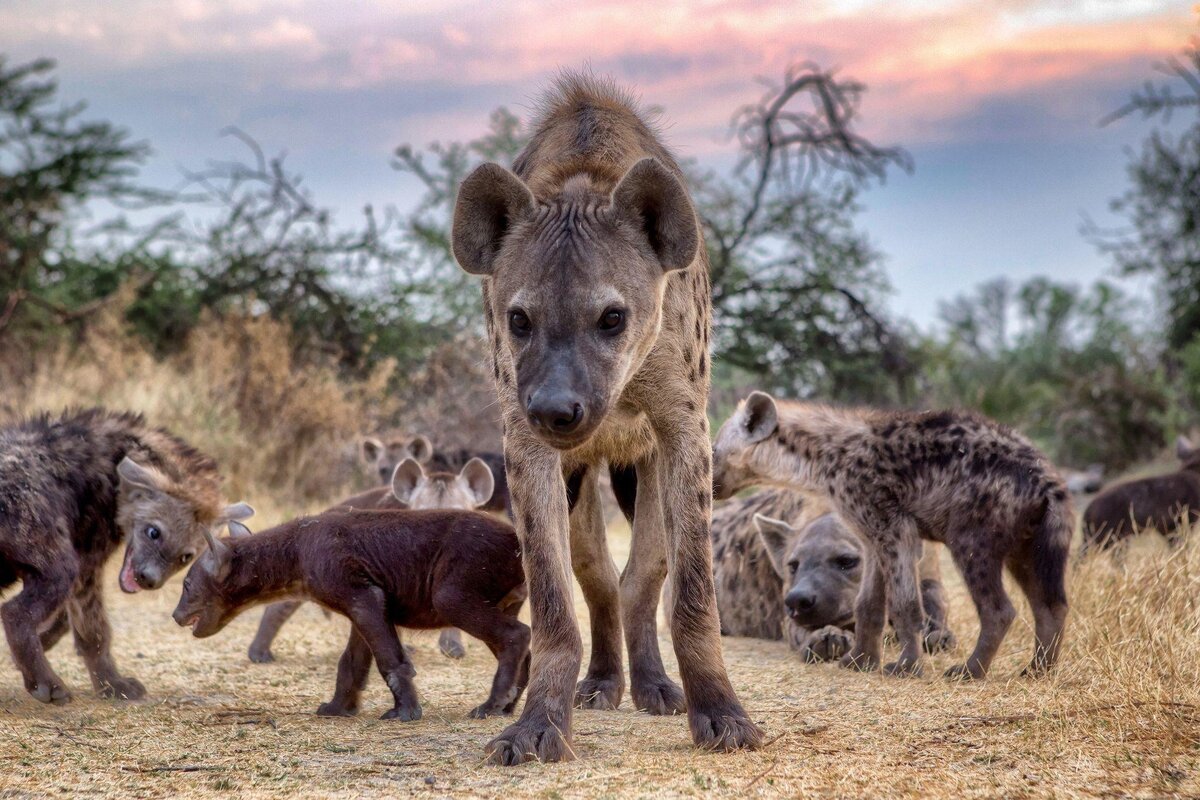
x=899 y=477
x=410 y=487
x=597 y=303
x=785 y=567
x=381 y=456
x=71 y=489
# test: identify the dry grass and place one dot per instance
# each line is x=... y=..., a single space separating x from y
x=1120 y=718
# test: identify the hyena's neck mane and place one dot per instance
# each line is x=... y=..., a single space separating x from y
x=810 y=446
x=587 y=127
x=264 y=567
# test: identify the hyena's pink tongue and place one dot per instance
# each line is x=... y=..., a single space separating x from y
x=126 y=579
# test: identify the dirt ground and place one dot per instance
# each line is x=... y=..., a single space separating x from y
x=1121 y=718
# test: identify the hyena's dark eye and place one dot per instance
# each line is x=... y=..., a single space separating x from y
x=153 y=533
x=613 y=321
x=519 y=323
x=847 y=563
x=793 y=566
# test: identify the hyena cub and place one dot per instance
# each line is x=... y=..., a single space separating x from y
x=411 y=488
x=898 y=477
x=785 y=567
x=382 y=456
x=381 y=569
x=71 y=488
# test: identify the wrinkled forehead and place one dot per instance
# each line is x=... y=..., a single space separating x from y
x=825 y=536
x=568 y=255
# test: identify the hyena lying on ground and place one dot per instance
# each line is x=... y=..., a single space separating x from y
x=597 y=303
x=898 y=477
x=70 y=489
x=418 y=569
x=1169 y=504
x=411 y=488
x=785 y=567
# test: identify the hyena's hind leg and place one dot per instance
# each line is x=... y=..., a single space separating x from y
x=899 y=556
x=982 y=572
x=1043 y=586
x=53 y=631
x=604 y=683
x=44 y=590
x=450 y=643
x=870 y=614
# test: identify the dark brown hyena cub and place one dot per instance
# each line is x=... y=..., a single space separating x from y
x=900 y=477
x=411 y=488
x=417 y=569
x=1169 y=504
x=70 y=489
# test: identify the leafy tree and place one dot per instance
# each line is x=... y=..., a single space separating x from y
x=1162 y=205
x=53 y=163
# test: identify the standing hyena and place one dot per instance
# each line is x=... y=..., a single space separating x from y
x=410 y=487
x=597 y=302
x=785 y=567
x=70 y=489
x=899 y=477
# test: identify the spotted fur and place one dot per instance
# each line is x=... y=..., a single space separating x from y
x=899 y=477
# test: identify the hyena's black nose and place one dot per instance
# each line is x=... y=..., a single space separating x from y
x=800 y=601
x=555 y=412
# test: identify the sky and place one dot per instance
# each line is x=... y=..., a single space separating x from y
x=998 y=102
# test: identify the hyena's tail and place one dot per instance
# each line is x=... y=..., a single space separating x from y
x=1051 y=547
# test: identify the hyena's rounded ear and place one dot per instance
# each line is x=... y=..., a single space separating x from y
x=407 y=476
x=237 y=530
x=477 y=477
x=421 y=448
x=490 y=201
x=1183 y=449
x=760 y=417
x=217 y=549
x=370 y=449
x=654 y=199
x=237 y=512
x=134 y=476
x=775 y=534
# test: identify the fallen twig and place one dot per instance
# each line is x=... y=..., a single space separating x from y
x=763 y=774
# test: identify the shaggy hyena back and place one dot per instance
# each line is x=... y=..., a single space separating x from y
x=897 y=477
x=70 y=489
x=1168 y=503
x=597 y=302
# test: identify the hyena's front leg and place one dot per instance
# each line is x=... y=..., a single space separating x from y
x=641 y=584
x=604 y=683
x=543 y=732
x=716 y=718
x=904 y=598
x=93 y=641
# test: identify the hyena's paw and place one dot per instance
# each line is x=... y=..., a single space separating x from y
x=724 y=727
x=336 y=709
x=261 y=655
x=904 y=668
x=938 y=639
x=529 y=740
x=485 y=710
x=857 y=660
x=599 y=694
x=122 y=688
x=826 y=644
x=450 y=643
x=659 y=696
x=965 y=672
x=408 y=711
x=49 y=689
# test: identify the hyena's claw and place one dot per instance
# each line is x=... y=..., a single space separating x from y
x=261 y=656
x=723 y=729
x=120 y=688
x=963 y=672
x=904 y=669
x=660 y=697
x=409 y=712
x=485 y=710
x=599 y=694
x=857 y=660
x=529 y=741
x=938 y=640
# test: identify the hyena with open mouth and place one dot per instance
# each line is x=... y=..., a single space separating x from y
x=71 y=488
x=899 y=477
